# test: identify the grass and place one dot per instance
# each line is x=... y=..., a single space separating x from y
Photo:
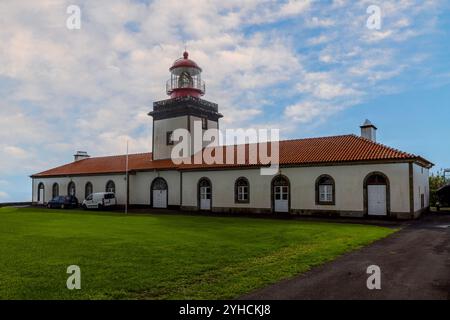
x=161 y=256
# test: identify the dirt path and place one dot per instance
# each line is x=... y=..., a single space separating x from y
x=414 y=262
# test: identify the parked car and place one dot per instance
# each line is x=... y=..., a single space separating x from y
x=100 y=200
x=443 y=196
x=63 y=202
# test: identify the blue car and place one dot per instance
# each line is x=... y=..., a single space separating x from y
x=63 y=202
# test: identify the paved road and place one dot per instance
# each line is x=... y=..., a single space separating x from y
x=414 y=262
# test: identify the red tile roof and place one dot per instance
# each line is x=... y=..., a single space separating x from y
x=311 y=151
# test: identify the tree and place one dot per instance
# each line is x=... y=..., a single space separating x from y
x=436 y=181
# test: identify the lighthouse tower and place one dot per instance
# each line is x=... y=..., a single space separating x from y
x=184 y=108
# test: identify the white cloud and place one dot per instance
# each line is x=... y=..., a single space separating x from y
x=15 y=152
x=4 y=196
x=304 y=112
x=91 y=89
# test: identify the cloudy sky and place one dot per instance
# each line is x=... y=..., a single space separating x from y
x=310 y=68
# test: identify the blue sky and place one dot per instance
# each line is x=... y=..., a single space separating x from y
x=310 y=68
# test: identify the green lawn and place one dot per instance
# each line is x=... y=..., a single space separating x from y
x=160 y=256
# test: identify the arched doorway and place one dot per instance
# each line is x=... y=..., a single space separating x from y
x=159 y=193
x=88 y=189
x=376 y=194
x=41 y=193
x=55 y=190
x=71 y=191
x=280 y=194
x=205 y=194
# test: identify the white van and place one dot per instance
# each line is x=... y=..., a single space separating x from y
x=100 y=200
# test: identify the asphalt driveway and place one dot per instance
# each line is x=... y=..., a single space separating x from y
x=414 y=263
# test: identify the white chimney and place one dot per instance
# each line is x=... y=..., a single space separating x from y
x=369 y=131
x=81 y=155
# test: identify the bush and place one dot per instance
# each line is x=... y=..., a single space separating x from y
x=433 y=198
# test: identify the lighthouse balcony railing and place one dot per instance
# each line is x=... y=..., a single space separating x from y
x=175 y=84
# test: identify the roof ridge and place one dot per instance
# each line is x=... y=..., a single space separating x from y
x=119 y=155
x=385 y=146
x=318 y=138
x=288 y=140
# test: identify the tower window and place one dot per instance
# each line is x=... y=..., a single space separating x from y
x=204 y=123
x=169 y=138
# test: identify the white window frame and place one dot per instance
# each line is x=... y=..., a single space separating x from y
x=326 y=193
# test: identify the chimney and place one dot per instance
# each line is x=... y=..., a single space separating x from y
x=80 y=155
x=369 y=131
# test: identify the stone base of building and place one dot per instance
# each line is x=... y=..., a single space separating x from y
x=268 y=211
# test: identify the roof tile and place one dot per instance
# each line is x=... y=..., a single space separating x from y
x=336 y=149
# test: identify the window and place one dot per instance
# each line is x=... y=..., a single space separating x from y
x=325 y=192
x=185 y=80
x=242 y=190
x=159 y=184
x=55 y=190
x=88 y=190
x=205 y=189
x=71 y=191
x=376 y=179
x=205 y=123
x=169 y=138
x=110 y=187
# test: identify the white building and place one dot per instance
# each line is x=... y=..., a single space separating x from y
x=342 y=175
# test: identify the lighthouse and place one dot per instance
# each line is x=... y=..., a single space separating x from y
x=183 y=109
x=185 y=79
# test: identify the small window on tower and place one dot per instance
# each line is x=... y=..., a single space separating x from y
x=169 y=138
x=204 y=123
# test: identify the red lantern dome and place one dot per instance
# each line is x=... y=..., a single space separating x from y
x=185 y=79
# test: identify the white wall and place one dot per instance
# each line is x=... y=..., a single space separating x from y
x=211 y=125
x=161 y=127
x=161 y=149
x=223 y=188
x=421 y=186
x=348 y=179
x=141 y=182
x=349 y=186
x=98 y=183
x=349 y=182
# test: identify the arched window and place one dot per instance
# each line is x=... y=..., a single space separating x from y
x=41 y=193
x=55 y=190
x=111 y=187
x=242 y=190
x=325 y=190
x=71 y=190
x=376 y=179
x=88 y=189
x=159 y=184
